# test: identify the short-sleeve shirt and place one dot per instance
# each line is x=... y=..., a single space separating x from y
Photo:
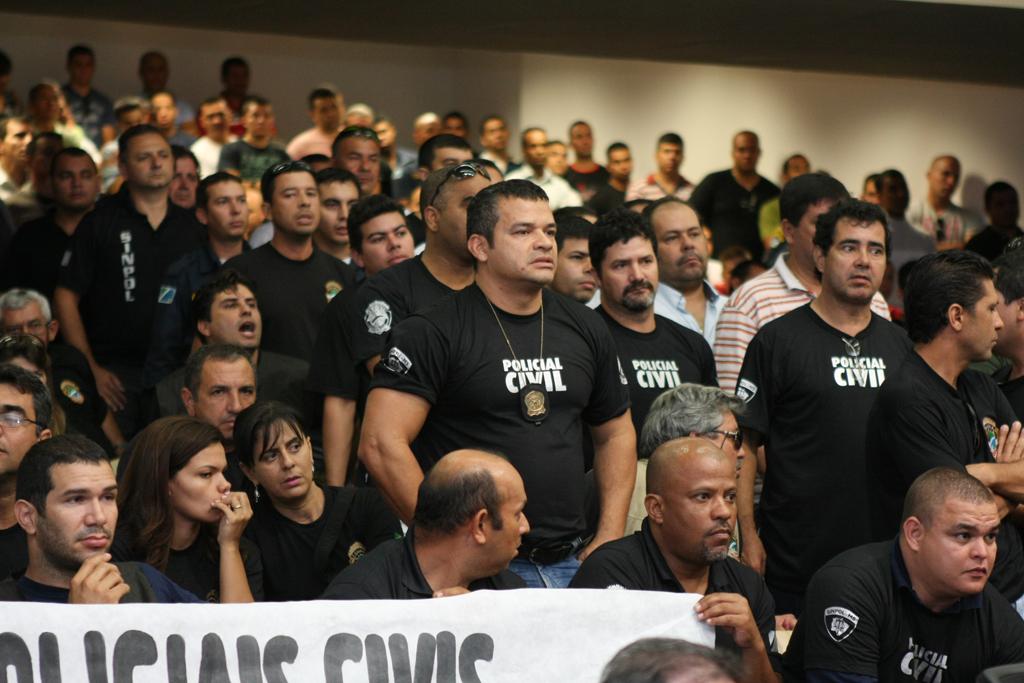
x=920 y=422
x=455 y=356
x=637 y=563
x=250 y=162
x=388 y=298
x=289 y=548
x=731 y=210
x=586 y=184
x=862 y=617
x=657 y=361
x=809 y=389
x=115 y=263
x=333 y=371
x=392 y=572
x=293 y=295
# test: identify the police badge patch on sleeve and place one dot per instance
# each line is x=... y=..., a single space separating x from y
x=840 y=623
x=746 y=390
x=622 y=375
x=377 y=317
x=396 y=361
x=166 y=295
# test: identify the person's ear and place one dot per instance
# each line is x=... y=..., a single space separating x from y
x=26 y=515
x=655 y=507
x=189 y=401
x=478 y=247
x=480 y=526
x=432 y=218
x=955 y=317
x=819 y=259
x=913 y=532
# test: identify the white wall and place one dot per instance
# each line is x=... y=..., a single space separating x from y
x=848 y=125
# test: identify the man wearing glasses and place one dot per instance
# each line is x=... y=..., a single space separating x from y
x=809 y=380
x=24 y=418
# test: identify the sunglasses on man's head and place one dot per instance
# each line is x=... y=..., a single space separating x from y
x=467 y=169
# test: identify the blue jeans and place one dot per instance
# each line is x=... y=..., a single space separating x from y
x=557 y=575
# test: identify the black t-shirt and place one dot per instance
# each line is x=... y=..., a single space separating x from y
x=636 y=563
x=250 y=162
x=197 y=568
x=920 y=422
x=454 y=356
x=989 y=242
x=13 y=551
x=388 y=298
x=655 y=362
x=587 y=183
x=809 y=389
x=115 y=263
x=1013 y=389
x=293 y=295
x=863 y=618
x=731 y=210
x=605 y=199
x=33 y=257
x=392 y=572
x=75 y=388
x=146 y=584
x=333 y=371
x=361 y=522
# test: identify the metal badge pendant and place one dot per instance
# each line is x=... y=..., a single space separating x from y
x=533 y=401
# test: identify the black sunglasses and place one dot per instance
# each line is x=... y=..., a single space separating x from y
x=467 y=169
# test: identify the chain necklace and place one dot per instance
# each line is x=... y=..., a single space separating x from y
x=533 y=400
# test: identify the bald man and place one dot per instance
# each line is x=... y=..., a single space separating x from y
x=467 y=527
x=683 y=547
x=936 y=215
x=919 y=607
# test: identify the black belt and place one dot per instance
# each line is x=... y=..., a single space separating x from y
x=551 y=554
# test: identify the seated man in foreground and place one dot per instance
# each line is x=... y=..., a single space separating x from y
x=67 y=505
x=466 y=529
x=683 y=547
x=919 y=607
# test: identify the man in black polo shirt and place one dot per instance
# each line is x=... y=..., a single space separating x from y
x=917 y=608
x=468 y=524
x=110 y=275
x=809 y=380
x=656 y=353
x=683 y=547
x=935 y=412
x=507 y=364
x=296 y=281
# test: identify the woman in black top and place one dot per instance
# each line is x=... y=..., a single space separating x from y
x=178 y=513
x=306 y=533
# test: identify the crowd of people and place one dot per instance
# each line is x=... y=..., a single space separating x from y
x=233 y=370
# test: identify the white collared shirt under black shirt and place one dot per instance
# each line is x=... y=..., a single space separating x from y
x=636 y=563
x=920 y=422
x=455 y=356
x=115 y=262
x=809 y=389
x=392 y=572
x=863 y=621
x=657 y=361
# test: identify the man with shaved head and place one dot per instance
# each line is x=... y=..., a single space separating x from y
x=918 y=607
x=466 y=529
x=936 y=215
x=683 y=547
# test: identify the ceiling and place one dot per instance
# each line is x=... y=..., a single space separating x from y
x=933 y=40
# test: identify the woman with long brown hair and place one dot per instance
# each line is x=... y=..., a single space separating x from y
x=178 y=513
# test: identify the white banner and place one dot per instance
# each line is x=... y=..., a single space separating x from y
x=485 y=637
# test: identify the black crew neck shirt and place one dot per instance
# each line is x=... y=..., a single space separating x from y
x=808 y=394
x=33 y=256
x=1013 y=389
x=586 y=184
x=455 y=356
x=657 y=361
x=731 y=210
x=13 y=551
x=249 y=161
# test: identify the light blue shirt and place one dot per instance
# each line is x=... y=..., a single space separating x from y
x=670 y=303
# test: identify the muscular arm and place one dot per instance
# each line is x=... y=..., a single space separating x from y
x=338 y=428
x=615 y=474
x=391 y=422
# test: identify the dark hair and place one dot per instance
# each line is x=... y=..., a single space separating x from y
x=179 y=152
x=671 y=139
x=482 y=214
x=365 y=210
x=903 y=274
x=873 y=178
x=203 y=191
x=45 y=136
x=531 y=129
x=76 y=50
x=490 y=117
x=326 y=176
x=657 y=660
x=124 y=141
x=6 y=120
x=428 y=150
x=5 y=64
x=430 y=192
x=254 y=101
x=28 y=383
x=18 y=345
x=551 y=143
x=742 y=269
x=792 y=157
x=853 y=210
x=805 y=191
x=997 y=187
x=226 y=353
x=1010 y=275
x=571 y=227
x=890 y=174
x=224 y=280
x=160 y=451
x=618 y=226
x=230 y=62
x=578 y=122
x=209 y=101
x=937 y=282
x=653 y=206
x=259 y=425
x=615 y=146
x=320 y=94
x=455 y=114
x=642 y=201
x=317 y=158
x=353 y=132
x=933 y=488
x=270 y=175
x=73 y=152
x=578 y=211
x=447 y=502
x=34 y=482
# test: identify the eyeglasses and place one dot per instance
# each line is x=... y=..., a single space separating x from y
x=737 y=437
x=288 y=167
x=14 y=420
x=36 y=325
x=357 y=132
x=467 y=169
